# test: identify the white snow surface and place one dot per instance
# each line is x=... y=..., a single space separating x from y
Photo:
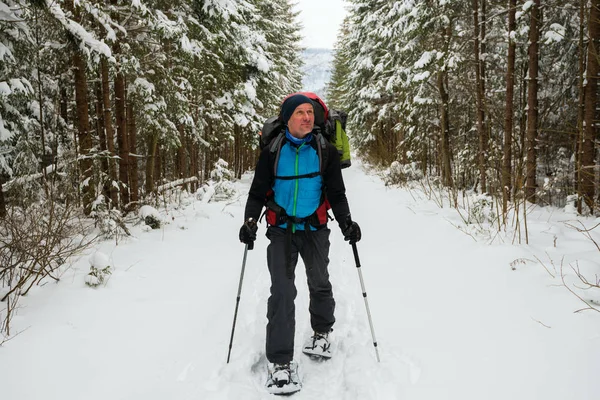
x=453 y=318
x=146 y=211
x=99 y=260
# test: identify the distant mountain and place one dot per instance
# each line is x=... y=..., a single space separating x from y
x=317 y=70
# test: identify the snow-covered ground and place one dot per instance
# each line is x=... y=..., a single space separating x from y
x=455 y=318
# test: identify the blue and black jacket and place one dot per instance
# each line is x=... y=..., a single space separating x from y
x=300 y=186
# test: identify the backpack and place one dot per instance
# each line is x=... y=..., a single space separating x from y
x=330 y=123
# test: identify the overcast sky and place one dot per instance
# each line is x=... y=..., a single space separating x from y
x=321 y=20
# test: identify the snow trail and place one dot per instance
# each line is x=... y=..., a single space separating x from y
x=452 y=319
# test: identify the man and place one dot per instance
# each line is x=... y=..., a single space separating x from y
x=297 y=190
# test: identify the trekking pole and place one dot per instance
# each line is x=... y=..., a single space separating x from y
x=237 y=301
x=364 y=292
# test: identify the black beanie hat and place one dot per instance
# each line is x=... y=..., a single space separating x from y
x=289 y=106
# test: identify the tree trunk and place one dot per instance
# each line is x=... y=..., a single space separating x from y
x=102 y=136
x=150 y=163
x=207 y=133
x=237 y=151
x=158 y=164
x=581 y=104
x=133 y=161
x=442 y=80
x=189 y=146
x=122 y=139
x=532 y=104
x=64 y=105
x=186 y=153
x=2 y=201
x=110 y=133
x=509 y=110
x=402 y=150
x=83 y=130
x=41 y=100
x=519 y=157
x=180 y=165
x=194 y=163
x=479 y=106
x=588 y=155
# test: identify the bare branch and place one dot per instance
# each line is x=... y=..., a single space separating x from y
x=589 y=306
x=541 y=323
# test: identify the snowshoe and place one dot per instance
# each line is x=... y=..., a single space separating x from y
x=318 y=346
x=283 y=378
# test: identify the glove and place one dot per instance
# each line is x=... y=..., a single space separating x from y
x=248 y=232
x=351 y=231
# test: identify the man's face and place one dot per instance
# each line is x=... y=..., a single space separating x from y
x=302 y=121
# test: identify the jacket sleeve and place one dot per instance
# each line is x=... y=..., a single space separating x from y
x=335 y=188
x=261 y=184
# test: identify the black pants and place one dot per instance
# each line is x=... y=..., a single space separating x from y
x=313 y=247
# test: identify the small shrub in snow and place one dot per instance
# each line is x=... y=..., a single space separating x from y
x=97 y=277
x=205 y=192
x=571 y=205
x=99 y=270
x=224 y=190
x=152 y=222
x=219 y=187
x=216 y=191
x=401 y=173
x=108 y=221
x=150 y=216
x=185 y=198
x=221 y=173
x=37 y=243
x=481 y=210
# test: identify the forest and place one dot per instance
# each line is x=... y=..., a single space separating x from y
x=106 y=106
x=495 y=97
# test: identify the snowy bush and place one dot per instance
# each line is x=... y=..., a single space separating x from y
x=401 y=173
x=174 y=194
x=108 y=221
x=480 y=210
x=571 y=204
x=216 y=191
x=150 y=216
x=37 y=243
x=219 y=187
x=585 y=284
x=554 y=183
x=221 y=173
x=205 y=192
x=184 y=198
x=99 y=270
x=224 y=190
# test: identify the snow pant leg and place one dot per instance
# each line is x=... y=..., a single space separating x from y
x=315 y=254
x=280 y=306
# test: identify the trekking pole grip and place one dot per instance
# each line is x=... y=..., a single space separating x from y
x=356 y=258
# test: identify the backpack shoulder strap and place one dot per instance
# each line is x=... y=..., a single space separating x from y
x=322 y=151
x=275 y=148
